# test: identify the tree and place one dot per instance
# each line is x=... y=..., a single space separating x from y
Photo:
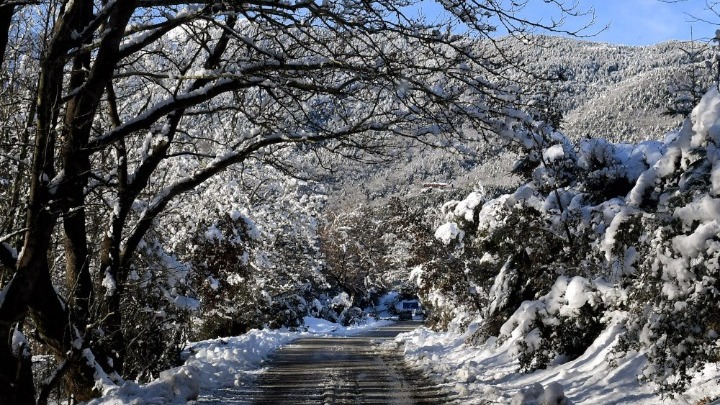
x=369 y=250
x=353 y=254
x=135 y=103
x=690 y=83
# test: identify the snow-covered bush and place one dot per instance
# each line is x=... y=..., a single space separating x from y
x=514 y=248
x=446 y=286
x=223 y=278
x=557 y=327
x=287 y=310
x=599 y=228
x=675 y=294
x=521 y=247
x=528 y=244
x=234 y=295
x=157 y=313
x=340 y=309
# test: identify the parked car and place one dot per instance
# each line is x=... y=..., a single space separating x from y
x=405 y=316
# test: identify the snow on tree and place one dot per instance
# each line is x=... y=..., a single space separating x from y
x=133 y=105
x=616 y=232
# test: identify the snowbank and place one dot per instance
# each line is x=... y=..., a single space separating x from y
x=221 y=363
x=490 y=372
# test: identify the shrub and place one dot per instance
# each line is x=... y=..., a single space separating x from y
x=230 y=300
x=156 y=314
x=559 y=326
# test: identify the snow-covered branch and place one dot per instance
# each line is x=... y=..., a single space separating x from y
x=182 y=101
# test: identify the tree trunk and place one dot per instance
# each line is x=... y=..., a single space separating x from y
x=6 y=13
x=58 y=333
x=76 y=163
x=31 y=289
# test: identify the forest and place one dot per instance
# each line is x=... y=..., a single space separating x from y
x=175 y=171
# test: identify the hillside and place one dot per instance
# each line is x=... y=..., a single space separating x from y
x=614 y=92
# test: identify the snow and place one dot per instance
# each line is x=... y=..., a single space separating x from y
x=186 y=303
x=488 y=373
x=554 y=153
x=537 y=395
x=706 y=116
x=499 y=292
x=108 y=283
x=703 y=210
x=692 y=245
x=213 y=282
x=608 y=241
x=220 y=363
x=577 y=291
x=715 y=178
x=342 y=300
x=235 y=214
x=466 y=208
x=19 y=343
x=213 y=233
x=448 y=232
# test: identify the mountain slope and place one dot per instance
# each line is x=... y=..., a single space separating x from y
x=614 y=92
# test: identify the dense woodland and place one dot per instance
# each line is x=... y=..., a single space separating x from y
x=176 y=171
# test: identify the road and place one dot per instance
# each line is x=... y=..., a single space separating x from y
x=355 y=370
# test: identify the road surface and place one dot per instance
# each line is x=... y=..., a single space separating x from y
x=354 y=370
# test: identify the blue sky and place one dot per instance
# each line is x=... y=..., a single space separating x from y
x=641 y=22
x=633 y=22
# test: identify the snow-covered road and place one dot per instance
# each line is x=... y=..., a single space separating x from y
x=338 y=370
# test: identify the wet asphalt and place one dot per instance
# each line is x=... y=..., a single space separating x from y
x=338 y=370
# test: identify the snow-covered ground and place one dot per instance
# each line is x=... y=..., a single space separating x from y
x=477 y=373
x=490 y=372
x=220 y=363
